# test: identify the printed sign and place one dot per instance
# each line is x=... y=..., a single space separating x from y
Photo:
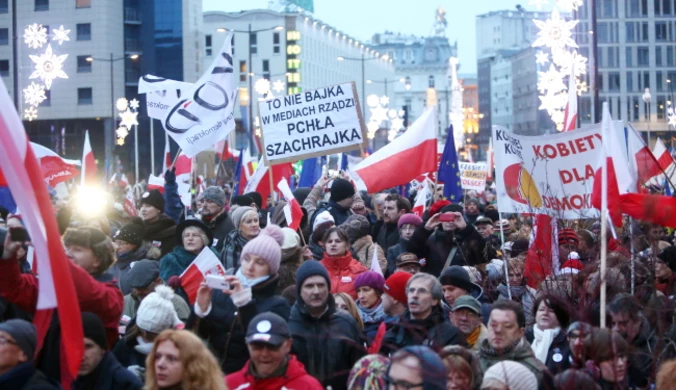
x=473 y=176
x=312 y=123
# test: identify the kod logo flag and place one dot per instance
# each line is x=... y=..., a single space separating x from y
x=161 y=94
x=205 y=115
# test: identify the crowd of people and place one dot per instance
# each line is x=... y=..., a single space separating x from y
x=364 y=295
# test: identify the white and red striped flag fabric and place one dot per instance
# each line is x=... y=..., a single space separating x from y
x=260 y=182
x=412 y=154
x=206 y=263
x=570 y=113
x=55 y=169
x=642 y=162
x=88 y=162
x=421 y=200
x=55 y=283
x=292 y=211
x=167 y=152
x=665 y=161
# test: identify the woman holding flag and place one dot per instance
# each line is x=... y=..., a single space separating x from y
x=194 y=236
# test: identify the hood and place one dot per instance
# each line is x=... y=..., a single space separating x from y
x=362 y=243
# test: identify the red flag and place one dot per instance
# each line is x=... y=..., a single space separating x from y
x=88 y=162
x=260 y=181
x=292 y=210
x=570 y=113
x=224 y=151
x=657 y=209
x=378 y=340
x=56 y=289
x=542 y=258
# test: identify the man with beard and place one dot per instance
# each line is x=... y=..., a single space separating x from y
x=215 y=216
x=385 y=232
x=159 y=228
x=424 y=323
x=472 y=210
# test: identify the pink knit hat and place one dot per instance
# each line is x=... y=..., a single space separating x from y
x=268 y=245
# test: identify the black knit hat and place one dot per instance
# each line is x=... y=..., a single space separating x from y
x=457 y=276
x=308 y=269
x=93 y=329
x=153 y=198
x=241 y=200
x=257 y=198
x=132 y=232
x=341 y=189
x=195 y=223
x=452 y=208
x=668 y=256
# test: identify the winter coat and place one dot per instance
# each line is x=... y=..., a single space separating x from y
x=317 y=251
x=287 y=270
x=364 y=248
x=342 y=273
x=224 y=328
x=435 y=331
x=232 y=250
x=120 y=269
x=520 y=353
x=338 y=212
x=385 y=234
x=372 y=318
x=295 y=378
x=173 y=207
x=522 y=294
x=641 y=356
x=558 y=357
x=161 y=233
x=125 y=352
x=668 y=286
x=174 y=263
x=26 y=377
x=435 y=246
x=220 y=226
x=329 y=345
x=109 y=375
x=392 y=253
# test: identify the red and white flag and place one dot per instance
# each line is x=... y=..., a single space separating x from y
x=375 y=264
x=292 y=210
x=642 y=162
x=224 y=151
x=88 y=162
x=55 y=169
x=156 y=183
x=570 y=113
x=412 y=154
x=124 y=182
x=55 y=284
x=542 y=258
x=167 y=152
x=421 y=199
x=260 y=182
x=247 y=171
x=665 y=161
x=206 y=263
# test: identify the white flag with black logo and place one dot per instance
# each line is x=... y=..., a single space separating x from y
x=161 y=94
x=205 y=115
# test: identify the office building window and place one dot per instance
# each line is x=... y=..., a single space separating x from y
x=630 y=57
x=430 y=81
x=630 y=31
x=670 y=55
x=83 y=3
x=83 y=66
x=84 y=96
x=646 y=80
x=48 y=99
x=4 y=68
x=660 y=31
x=658 y=81
x=666 y=7
x=614 y=81
x=276 y=43
x=84 y=32
x=658 y=55
x=642 y=56
x=253 y=43
x=644 y=7
x=630 y=81
x=42 y=5
x=242 y=71
x=660 y=107
x=4 y=6
x=266 y=66
x=207 y=44
x=4 y=36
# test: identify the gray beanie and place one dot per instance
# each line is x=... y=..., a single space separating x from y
x=214 y=194
x=356 y=226
x=512 y=374
x=23 y=333
x=238 y=212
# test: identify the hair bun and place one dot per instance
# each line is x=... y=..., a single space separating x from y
x=275 y=232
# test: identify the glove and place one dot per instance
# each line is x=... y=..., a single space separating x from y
x=170 y=175
x=139 y=371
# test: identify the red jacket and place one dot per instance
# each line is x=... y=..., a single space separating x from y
x=342 y=272
x=103 y=299
x=296 y=378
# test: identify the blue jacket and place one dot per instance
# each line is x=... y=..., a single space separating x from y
x=26 y=377
x=172 y=201
x=109 y=375
x=174 y=263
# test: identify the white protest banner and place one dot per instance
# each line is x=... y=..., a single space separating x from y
x=550 y=174
x=473 y=176
x=312 y=123
x=161 y=94
x=205 y=116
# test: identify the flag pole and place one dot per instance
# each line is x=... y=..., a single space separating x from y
x=504 y=258
x=178 y=153
x=632 y=263
x=605 y=131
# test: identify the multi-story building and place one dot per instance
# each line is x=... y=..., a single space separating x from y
x=501 y=89
x=112 y=43
x=527 y=118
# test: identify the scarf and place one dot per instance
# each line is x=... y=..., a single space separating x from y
x=248 y=283
x=517 y=291
x=474 y=336
x=143 y=347
x=373 y=315
x=542 y=340
x=488 y=350
x=233 y=249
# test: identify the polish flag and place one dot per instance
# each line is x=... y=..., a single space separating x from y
x=491 y=159
x=570 y=113
x=224 y=151
x=402 y=160
x=156 y=183
x=643 y=165
x=292 y=211
x=129 y=205
x=124 y=182
x=88 y=174
x=55 y=169
x=421 y=200
x=260 y=181
x=55 y=284
x=542 y=258
x=167 y=152
x=666 y=162
x=206 y=263
x=184 y=178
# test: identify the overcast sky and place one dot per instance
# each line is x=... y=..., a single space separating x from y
x=363 y=18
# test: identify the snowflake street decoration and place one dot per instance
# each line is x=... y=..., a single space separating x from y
x=550 y=80
x=122 y=132
x=555 y=32
x=541 y=58
x=134 y=104
x=30 y=113
x=128 y=118
x=121 y=104
x=538 y=3
x=581 y=87
x=278 y=86
x=34 y=94
x=384 y=100
x=372 y=100
x=48 y=67
x=61 y=35
x=35 y=36
x=262 y=86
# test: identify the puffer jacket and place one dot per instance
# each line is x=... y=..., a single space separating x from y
x=342 y=273
x=120 y=269
x=558 y=357
x=224 y=328
x=174 y=263
x=520 y=353
x=295 y=378
x=328 y=345
x=363 y=249
x=161 y=233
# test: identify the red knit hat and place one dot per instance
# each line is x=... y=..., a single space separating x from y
x=395 y=286
x=573 y=264
x=437 y=206
x=567 y=235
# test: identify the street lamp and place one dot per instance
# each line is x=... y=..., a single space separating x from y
x=109 y=132
x=646 y=98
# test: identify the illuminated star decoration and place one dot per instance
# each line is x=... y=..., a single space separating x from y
x=134 y=104
x=61 y=35
x=121 y=104
x=541 y=58
x=30 y=113
x=278 y=86
x=128 y=118
x=262 y=86
x=35 y=36
x=34 y=94
x=122 y=132
x=48 y=67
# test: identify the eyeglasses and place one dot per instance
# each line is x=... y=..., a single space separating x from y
x=400 y=383
x=5 y=341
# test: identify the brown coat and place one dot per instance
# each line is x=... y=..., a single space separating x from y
x=363 y=251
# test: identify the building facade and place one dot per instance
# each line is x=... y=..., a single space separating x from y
x=501 y=90
x=527 y=119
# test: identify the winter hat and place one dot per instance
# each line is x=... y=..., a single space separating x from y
x=268 y=328
x=290 y=244
x=132 y=232
x=257 y=198
x=341 y=189
x=395 y=286
x=308 y=269
x=409 y=219
x=437 y=206
x=153 y=198
x=93 y=329
x=214 y=194
x=494 y=215
x=321 y=218
x=431 y=366
x=194 y=223
x=301 y=193
x=453 y=207
x=519 y=246
x=24 y=334
x=511 y=374
x=370 y=279
x=241 y=200
x=237 y=213
x=668 y=256
x=94 y=239
x=568 y=236
x=156 y=311
x=356 y=226
x=457 y=276
x=369 y=373
x=506 y=226
x=268 y=246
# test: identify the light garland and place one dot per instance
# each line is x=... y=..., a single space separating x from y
x=128 y=117
x=380 y=113
x=35 y=36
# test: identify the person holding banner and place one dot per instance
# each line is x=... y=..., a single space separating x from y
x=194 y=236
x=222 y=316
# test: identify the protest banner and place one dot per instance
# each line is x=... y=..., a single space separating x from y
x=312 y=123
x=473 y=176
x=550 y=174
x=161 y=94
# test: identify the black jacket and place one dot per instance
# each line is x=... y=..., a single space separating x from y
x=385 y=234
x=392 y=253
x=224 y=328
x=435 y=246
x=435 y=331
x=327 y=346
x=161 y=233
x=126 y=353
x=558 y=357
x=109 y=375
x=26 y=377
x=338 y=212
x=641 y=356
x=220 y=227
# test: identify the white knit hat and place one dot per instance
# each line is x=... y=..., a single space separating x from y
x=156 y=312
x=512 y=374
x=322 y=217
